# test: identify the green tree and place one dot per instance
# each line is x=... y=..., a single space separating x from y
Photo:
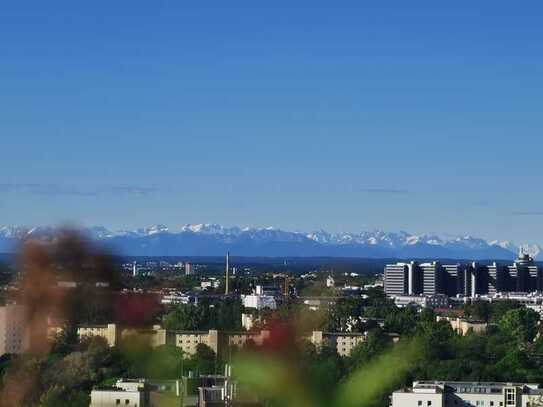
x=434 y=339
x=376 y=343
x=59 y=396
x=166 y=363
x=204 y=361
x=401 y=320
x=479 y=310
x=323 y=371
x=520 y=324
x=499 y=308
x=345 y=314
x=228 y=314
x=184 y=317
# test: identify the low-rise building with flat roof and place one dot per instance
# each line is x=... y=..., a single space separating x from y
x=139 y=393
x=424 y=301
x=487 y=394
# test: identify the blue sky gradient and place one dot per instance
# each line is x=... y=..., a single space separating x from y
x=421 y=116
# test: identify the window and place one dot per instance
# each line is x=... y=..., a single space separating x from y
x=419 y=403
x=428 y=403
x=118 y=401
x=127 y=401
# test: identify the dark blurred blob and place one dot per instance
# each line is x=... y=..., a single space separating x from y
x=137 y=309
x=67 y=280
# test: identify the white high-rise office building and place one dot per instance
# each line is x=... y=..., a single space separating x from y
x=188 y=269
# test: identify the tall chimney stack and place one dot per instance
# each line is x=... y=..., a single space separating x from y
x=227 y=279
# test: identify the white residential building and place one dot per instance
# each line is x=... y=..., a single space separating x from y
x=138 y=393
x=211 y=283
x=125 y=393
x=259 y=301
x=464 y=394
x=14 y=332
x=430 y=301
x=188 y=269
x=176 y=298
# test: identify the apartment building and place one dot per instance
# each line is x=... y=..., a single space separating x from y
x=188 y=341
x=14 y=332
x=344 y=343
x=218 y=341
x=112 y=333
x=108 y=331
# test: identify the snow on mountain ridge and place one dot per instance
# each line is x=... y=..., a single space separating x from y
x=390 y=242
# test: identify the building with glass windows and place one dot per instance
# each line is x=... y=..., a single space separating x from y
x=450 y=394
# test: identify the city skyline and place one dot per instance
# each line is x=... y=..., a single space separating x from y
x=421 y=117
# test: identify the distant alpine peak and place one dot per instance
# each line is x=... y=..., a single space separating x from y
x=388 y=244
x=506 y=244
x=152 y=230
x=209 y=228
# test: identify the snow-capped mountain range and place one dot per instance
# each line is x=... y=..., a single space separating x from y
x=215 y=240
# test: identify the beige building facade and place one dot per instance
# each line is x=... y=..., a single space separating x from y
x=463 y=326
x=344 y=343
x=187 y=341
x=218 y=341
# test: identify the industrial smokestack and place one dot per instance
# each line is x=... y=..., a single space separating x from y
x=227 y=278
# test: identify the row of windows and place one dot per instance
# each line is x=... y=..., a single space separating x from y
x=479 y=403
x=188 y=341
x=126 y=402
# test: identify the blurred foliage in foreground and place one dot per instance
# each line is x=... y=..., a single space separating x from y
x=286 y=384
x=66 y=375
x=289 y=374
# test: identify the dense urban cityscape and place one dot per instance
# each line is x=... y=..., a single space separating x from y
x=170 y=332
x=271 y=204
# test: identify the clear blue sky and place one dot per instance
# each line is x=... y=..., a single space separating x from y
x=422 y=116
